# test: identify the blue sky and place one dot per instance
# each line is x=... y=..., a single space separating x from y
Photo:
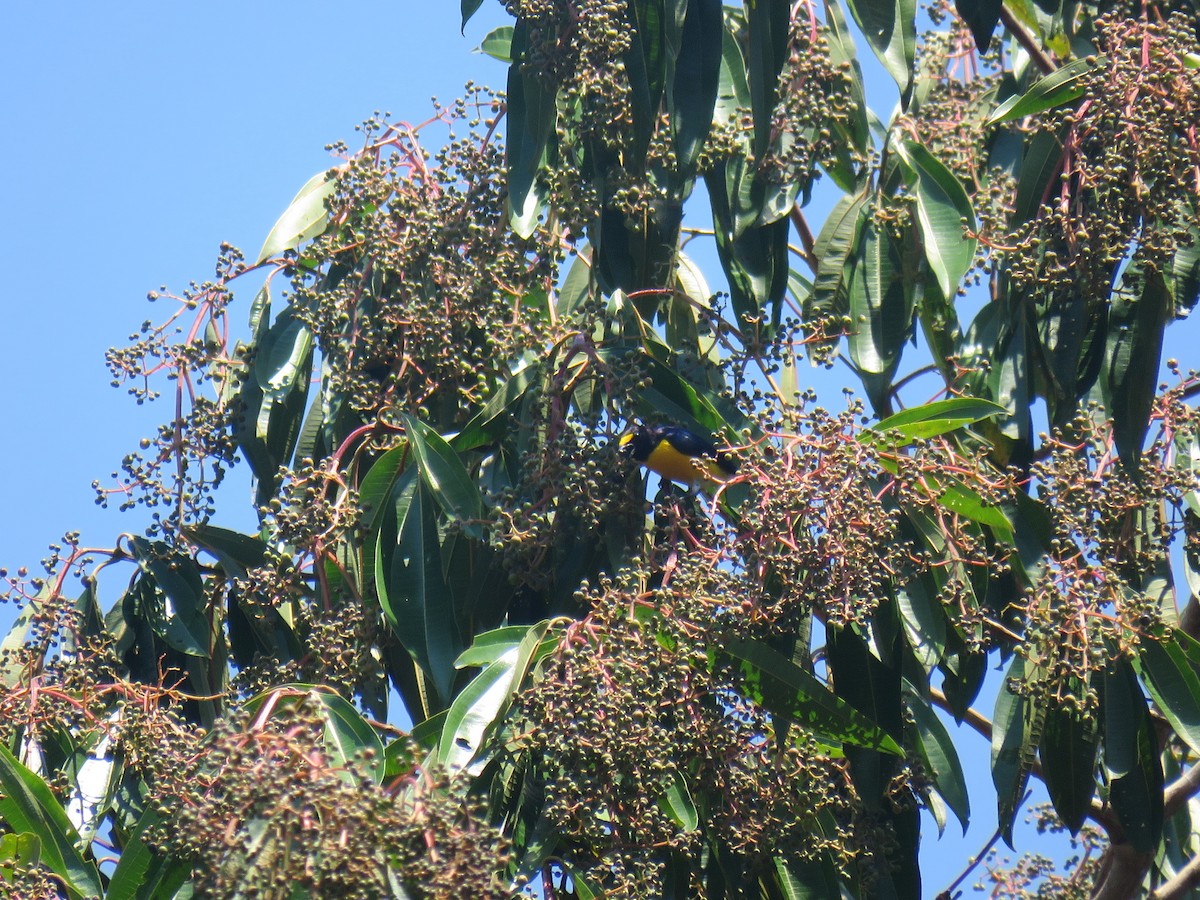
x=141 y=135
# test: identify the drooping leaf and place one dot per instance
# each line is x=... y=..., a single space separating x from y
x=179 y=617
x=697 y=79
x=1174 y=684
x=468 y=8
x=1013 y=744
x=412 y=591
x=304 y=219
x=941 y=760
x=236 y=552
x=890 y=27
x=446 y=477
x=531 y=117
x=1068 y=754
x=28 y=806
x=1131 y=758
x=943 y=211
x=981 y=17
x=1135 y=338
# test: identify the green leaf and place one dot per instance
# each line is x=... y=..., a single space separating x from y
x=834 y=249
x=784 y=689
x=445 y=476
x=881 y=307
x=304 y=219
x=937 y=418
x=12 y=656
x=767 y=25
x=18 y=851
x=924 y=623
x=28 y=806
x=981 y=17
x=1068 y=753
x=677 y=803
x=890 y=27
x=1174 y=685
x=236 y=552
x=484 y=702
x=941 y=760
x=1063 y=85
x=179 y=619
x=942 y=206
x=282 y=352
x=141 y=874
x=532 y=112
x=412 y=591
x=1135 y=338
x=468 y=9
x=491 y=645
x=697 y=79
x=498 y=43
x=1012 y=747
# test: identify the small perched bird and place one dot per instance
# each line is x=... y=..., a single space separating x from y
x=677 y=454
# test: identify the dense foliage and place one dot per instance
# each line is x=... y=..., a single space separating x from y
x=731 y=690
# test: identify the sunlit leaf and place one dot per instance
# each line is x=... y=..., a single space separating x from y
x=1062 y=86
x=28 y=806
x=304 y=219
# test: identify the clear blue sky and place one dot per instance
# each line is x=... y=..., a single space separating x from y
x=138 y=136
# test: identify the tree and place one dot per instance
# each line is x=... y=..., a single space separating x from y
x=735 y=694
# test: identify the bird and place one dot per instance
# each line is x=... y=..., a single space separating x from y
x=678 y=454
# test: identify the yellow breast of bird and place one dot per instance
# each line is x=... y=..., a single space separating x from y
x=670 y=463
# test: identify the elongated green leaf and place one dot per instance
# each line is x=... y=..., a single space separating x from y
x=767 y=23
x=697 y=78
x=942 y=207
x=179 y=616
x=941 y=759
x=784 y=689
x=490 y=423
x=1012 y=747
x=28 y=806
x=531 y=116
x=1068 y=753
x=881 y=307
x=12 y=658
x=890 y=27
x=412 y=592
x=938 y=417
x=1174 y=685
x=141 y=874
x=834 y=249
x=445 y=476
x=924 y=623
x=1135 y=338
x=305 y=217
x=676 y=802
x=1131 y=758
x=480 y=704
x=282 y=352
x=1062 y=86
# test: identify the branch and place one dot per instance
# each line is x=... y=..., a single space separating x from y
x=1180 y=886
x=806 y=237
x=1181 y=790
x=1025 y=39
